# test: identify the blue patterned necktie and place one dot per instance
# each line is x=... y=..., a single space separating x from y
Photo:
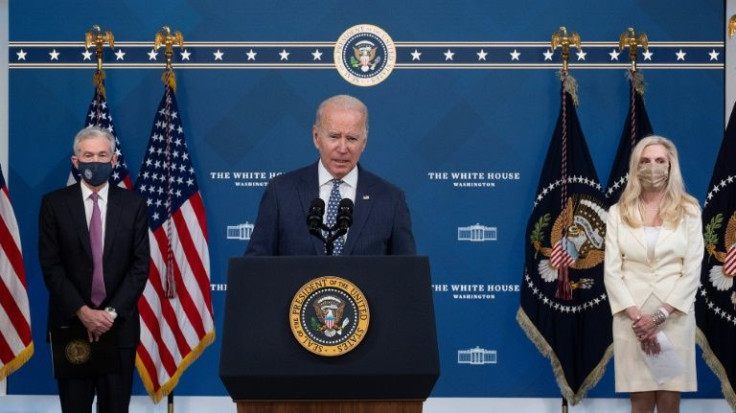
x=331 y=214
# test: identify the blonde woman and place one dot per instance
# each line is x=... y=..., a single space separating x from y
x=654 y=247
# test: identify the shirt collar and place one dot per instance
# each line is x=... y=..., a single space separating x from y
x=324 y=176
x=102 y=193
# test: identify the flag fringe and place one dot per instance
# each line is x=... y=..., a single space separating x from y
x=17 y=362
x=538 y=339
x=169 y=386
x=717 y=367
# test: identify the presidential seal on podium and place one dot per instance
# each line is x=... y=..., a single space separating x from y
x=329 y=316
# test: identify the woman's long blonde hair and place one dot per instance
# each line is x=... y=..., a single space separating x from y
x=675 y=201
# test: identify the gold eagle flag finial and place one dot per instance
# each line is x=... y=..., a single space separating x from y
x=95 y=36
x=633 y=41
x=561 y=39
x=732 y=26
x=165 y=38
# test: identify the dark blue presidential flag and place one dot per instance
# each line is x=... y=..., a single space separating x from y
x=99 y=115
x=636 y=127
x=715 y=303
x=564 y=307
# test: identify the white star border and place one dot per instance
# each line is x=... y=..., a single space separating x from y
x=553 y=303
x=520 y=55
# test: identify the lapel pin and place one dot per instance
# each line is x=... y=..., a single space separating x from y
x=366 y=197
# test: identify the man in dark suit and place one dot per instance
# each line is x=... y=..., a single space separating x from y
x=94 y=255
x=381 y=221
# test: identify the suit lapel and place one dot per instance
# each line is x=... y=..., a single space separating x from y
x=363 y=206
x=664 y=232
x=639 y=234
x=308 y=189
x=112 y=219
x=75 y=205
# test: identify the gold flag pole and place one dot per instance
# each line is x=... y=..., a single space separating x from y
x=561 y=39
x=168 y=40
x=630 y=39
x=96 y=37
x=732 y=26
x=165 y=38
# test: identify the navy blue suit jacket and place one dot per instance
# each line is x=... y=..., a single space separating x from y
x=381 y=221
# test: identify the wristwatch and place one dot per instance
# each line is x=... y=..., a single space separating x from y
x=112 y=312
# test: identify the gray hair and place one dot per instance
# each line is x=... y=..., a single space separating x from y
x=93 y=132
x=342 y=102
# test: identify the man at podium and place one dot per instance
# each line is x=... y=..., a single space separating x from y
x=381 y=224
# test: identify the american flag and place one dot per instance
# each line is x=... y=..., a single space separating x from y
x=99 y=115
x=176 y=309
x=16 y=342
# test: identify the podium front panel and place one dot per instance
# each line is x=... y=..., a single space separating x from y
x=262 y=360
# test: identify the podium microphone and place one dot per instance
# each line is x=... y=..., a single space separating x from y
x=344 y=214
x=315 y=213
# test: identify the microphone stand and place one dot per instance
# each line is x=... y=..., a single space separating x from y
x=333 y=233
x=326 y=234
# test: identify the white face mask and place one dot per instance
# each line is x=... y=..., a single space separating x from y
x=653 y=176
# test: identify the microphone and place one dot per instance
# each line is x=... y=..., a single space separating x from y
x=344 y=214
x=315 y=213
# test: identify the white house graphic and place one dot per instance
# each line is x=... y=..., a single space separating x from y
x=240 y=232
x=476 y=356
x=477 y=233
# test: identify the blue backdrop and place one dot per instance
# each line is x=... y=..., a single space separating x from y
x=431 y=118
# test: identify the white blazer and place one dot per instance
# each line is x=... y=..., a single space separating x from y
x=672 y=276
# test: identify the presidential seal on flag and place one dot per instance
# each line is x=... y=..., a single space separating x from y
x=365 y=55
x=329 y=316
x=577 y=236
x=722 y=264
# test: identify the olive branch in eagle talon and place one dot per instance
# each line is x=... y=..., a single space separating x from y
x=710 y=237
x=354 y=62
x=316 y=326
x=538 y=234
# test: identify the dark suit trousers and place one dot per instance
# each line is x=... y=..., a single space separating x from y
x=113 y=390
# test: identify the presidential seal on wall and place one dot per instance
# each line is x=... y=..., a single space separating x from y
x=365 y=55
x=329 y=316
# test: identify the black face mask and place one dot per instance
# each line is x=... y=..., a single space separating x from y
x=95 y=173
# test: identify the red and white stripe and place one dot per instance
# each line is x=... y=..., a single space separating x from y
x=560 y=257
x=729 y=264
x=174 y=331
x=16 y=341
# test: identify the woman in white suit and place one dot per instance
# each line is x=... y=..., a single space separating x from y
x=654 y=247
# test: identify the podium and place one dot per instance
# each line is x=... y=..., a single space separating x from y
x=265 y=369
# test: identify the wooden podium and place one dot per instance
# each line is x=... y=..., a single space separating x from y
x=266 y=370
